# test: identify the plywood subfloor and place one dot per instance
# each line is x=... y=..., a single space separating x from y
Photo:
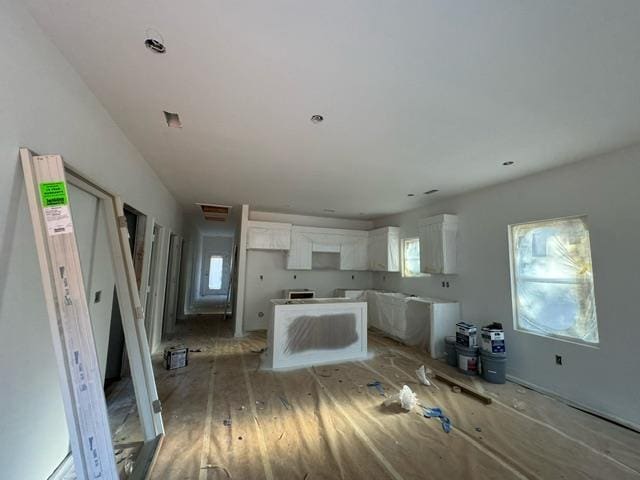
x=227 y=418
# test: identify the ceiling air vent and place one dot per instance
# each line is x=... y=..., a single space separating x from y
x=214 y=213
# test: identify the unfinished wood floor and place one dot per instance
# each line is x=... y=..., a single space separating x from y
x=226 y=418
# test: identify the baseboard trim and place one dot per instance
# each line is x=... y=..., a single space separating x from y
x=606 y=416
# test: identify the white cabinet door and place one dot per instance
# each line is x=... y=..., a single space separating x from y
x=299 y=256
x=268 y=236
x=353 y=254
x=438 y=244
x=384 y=250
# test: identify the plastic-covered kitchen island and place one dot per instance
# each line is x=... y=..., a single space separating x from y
x=315 y=331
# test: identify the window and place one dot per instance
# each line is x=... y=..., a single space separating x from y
x=411 y=257
x=552 y=279
x=215 y=272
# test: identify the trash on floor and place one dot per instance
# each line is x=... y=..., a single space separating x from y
x=226 y=422
x=217 y=467
x=436 y=412
x=285 y=402
x=519 y=405
x=423 y=375
x=378 y=386
x=407 y=399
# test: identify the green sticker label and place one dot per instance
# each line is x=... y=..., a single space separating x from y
x=53 y=194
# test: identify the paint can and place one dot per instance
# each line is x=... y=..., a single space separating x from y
x=450 y=350
x=494 y=367
x=466 y=334
x=492 y=339
x=467 y=359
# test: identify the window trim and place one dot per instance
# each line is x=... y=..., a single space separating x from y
x=513 y=292
x=402 y=270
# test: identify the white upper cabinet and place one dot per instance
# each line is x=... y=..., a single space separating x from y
x=299 y=256
x=438 y=244
x=384 y=250
x=268 y=236
x=350 y=245
x=353 y=252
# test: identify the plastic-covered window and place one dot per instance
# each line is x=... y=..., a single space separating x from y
x=411 y=257
x=553 y=279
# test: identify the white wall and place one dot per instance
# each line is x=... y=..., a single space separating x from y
x=605 y=189
x=275 y=278
x=47 y=107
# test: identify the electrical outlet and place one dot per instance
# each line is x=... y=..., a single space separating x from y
x=295 y=276
x=261 y=277
x=260 y=314
x=447 y=284
x=443 y=284
x=353 y=277
x=97 y=296
x=558 y=359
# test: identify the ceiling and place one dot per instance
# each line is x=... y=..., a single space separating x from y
x=416 y=94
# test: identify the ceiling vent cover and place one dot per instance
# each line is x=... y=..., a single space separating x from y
x=214 y=213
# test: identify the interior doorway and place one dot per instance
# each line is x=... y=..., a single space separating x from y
x=173 y=280
x=117 y=362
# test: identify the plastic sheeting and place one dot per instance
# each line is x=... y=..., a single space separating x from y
x=399 y=316
x=553 y=278
x=321 y=332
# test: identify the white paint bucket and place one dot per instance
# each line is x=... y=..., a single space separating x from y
x=467 y=359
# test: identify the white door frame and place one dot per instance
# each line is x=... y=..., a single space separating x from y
x=137 y=347
x=158 y=289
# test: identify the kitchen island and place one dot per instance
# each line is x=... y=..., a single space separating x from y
x=315 y=331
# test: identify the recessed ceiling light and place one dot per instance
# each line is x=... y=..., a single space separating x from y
x=506 y=164
x=173 y=120
x=155 y=45
x=411 y=194
x=316 y=118
x=429 y=192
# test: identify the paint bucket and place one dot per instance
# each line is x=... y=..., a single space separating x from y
x=492 y=339
x=494 y=367
x=450 y=349
x=467 y=359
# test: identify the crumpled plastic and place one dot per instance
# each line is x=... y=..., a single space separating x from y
x=436 y=412
x=407 y=399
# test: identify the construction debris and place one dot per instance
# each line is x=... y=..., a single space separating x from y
x=465 y=388
x=217 y=467
x=407 y=399
x=421 y=373
x=378 y=386
x=436 y=412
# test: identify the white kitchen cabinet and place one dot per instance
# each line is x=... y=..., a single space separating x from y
x=351 y=245
x=299 y=255
x=383 y=250
x=353 y=252
x=438 y=244
x=268 y=236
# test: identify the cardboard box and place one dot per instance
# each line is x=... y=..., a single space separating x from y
x=466 y=334
x=492 y=340
x=176 y=357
